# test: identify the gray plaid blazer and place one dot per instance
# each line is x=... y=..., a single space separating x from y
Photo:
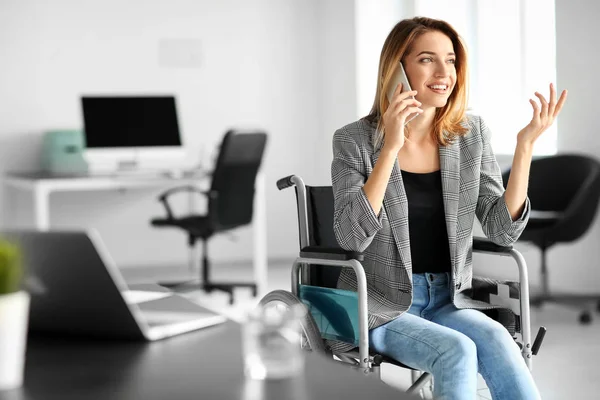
x=471 y=186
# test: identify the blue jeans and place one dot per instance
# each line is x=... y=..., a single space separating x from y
x=454 y=345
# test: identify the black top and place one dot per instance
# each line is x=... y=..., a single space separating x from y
x=429 y=246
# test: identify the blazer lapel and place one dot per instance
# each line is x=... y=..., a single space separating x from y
x=450 y=168
x=395 y=204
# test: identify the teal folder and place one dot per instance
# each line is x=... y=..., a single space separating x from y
x=335 y=312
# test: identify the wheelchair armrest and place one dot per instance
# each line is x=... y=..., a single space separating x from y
x=487 y=246
x=361 y=280
x=330 y=253
x=163 y=197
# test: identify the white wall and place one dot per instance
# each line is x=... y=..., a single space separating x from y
x=577 y=265
x=263 y=63
x=374 y=21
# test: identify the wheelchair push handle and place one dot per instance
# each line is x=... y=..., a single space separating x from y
x=285 y=182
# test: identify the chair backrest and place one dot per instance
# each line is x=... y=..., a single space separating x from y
x=566 y=183
x=554 y=181
x=319 y=205
x=234 y=179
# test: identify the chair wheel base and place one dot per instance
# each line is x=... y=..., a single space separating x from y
x=585 y=318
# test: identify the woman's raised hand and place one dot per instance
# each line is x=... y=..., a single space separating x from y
x=401 y=106
x=542 y=117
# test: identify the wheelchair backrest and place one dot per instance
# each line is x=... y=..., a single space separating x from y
x=319 y=205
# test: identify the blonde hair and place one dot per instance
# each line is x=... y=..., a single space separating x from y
x=447 y=123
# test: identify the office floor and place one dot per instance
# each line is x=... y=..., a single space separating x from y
x=565 y=368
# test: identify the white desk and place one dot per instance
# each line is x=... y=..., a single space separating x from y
x=41 y=185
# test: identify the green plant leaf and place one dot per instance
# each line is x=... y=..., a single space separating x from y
x=11 y=268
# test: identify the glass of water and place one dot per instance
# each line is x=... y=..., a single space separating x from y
x=272 y=342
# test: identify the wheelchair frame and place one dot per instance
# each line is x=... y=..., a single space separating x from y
x=325 y=257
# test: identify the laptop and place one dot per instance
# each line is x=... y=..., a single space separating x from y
x=76 y=289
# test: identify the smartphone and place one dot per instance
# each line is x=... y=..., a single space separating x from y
x=400 y=77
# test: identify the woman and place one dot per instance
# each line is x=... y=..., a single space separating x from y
x=407 y=197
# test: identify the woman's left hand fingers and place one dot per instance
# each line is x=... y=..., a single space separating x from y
x=542 y=116
x=544 y=111
x=552 y=105
x=536 y=110
x=559 y=105
x=553 y=108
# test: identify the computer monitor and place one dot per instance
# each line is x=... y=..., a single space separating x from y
x=131 y=133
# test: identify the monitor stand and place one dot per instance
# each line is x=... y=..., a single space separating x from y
x=134 y=162
x=123 y=167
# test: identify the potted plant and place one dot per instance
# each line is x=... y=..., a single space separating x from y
x=14 y=316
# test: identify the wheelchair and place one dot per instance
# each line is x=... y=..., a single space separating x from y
x=339 y=315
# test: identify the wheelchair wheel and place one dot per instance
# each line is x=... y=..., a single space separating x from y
x=311 y=337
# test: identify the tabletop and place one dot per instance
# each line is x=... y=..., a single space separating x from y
x=205 y=364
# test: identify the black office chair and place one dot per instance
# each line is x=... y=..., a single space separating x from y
x=564 y=191
x=230 y=201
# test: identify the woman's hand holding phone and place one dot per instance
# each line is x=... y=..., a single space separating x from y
x=402 y=105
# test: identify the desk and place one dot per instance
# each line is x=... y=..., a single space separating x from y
x=205 y=364
x=40 y=186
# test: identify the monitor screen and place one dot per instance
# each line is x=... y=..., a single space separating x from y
x=126 y=122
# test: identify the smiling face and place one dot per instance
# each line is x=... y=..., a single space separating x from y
x=430 y=67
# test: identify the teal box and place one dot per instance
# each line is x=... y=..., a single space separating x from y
x=62 y=152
